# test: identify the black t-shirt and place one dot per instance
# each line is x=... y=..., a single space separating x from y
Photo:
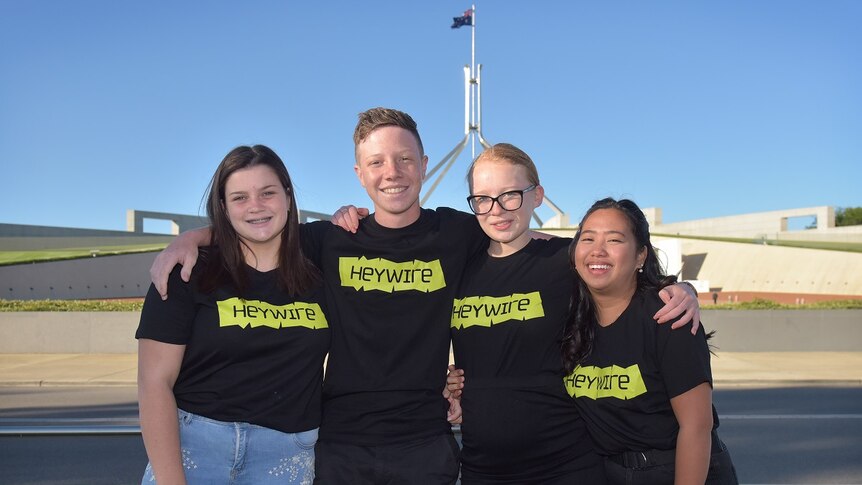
x=389 y=293
x=507 y=323
x=624 y=387
x=257 y=360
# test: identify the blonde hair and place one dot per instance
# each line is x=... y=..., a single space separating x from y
x=374 y=118
x=506 y=152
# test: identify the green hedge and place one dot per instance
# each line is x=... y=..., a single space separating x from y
x=71 y=305
x=763 y=304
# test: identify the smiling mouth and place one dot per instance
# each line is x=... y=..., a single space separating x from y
x=393 y=190
x=259 y=221
x=599 y=266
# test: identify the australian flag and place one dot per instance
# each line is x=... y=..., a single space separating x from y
x=466 y=19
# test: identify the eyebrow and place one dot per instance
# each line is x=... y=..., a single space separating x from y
x=245 y=191
x=593 y=231
x=396 y=152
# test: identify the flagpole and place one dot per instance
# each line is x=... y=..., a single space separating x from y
x=473 y=79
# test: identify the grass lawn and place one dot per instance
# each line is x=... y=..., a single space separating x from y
x=18 y=257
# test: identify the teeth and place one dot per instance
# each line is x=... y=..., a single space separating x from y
x=258 y=221
x=394 y=190
x=600 y=266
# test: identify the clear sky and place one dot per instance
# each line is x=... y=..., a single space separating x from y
x=701 y=108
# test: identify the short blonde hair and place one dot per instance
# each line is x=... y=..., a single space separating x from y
x=374 y=118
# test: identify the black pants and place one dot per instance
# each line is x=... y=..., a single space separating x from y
x=431 y=461
x=654 y=467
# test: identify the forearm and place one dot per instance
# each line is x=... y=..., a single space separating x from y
x=693 y=449
x=160 y=430
x=201 y=236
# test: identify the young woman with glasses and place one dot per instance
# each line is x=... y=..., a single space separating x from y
x=519 y=424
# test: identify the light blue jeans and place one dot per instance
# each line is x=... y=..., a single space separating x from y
x=217 y=452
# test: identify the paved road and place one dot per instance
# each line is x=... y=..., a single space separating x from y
x=777 y=435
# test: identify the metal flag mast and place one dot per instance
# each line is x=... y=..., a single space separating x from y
x=473 y=120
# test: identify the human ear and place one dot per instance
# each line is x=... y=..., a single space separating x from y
x=642 y=254
x=539 y=195
x=358 y=171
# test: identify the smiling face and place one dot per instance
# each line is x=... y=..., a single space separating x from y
x=257 y=206
x=508 y=230
x=390 y=165
x=607 y=255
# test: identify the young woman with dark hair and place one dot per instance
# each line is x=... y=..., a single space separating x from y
x=644 y=391
x=230 y=367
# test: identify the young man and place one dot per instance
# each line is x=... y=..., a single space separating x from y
x=390 y=287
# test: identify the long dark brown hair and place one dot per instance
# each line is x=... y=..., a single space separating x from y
x=224 y=262
x=580 y=328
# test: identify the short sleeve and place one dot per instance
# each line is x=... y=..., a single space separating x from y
x=683 y=358
x=169 y=321
x=311 y=236
x=471 y=232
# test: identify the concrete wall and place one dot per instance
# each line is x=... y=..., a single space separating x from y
x=22 y=237
x=759 y=268
x=743 y=225
x=123 y=276
x=736 y=331
x=785 y=330
x=760 y=225
x=179 y=222
x=68 y=332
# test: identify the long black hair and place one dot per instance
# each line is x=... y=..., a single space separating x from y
x=579 y=333
x=225 y=262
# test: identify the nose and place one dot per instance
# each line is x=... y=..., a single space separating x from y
x=599 y=247
x=256 y=204
x=496 y=208
x=391 y=170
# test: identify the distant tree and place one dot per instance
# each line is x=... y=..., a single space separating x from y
x=848 y=216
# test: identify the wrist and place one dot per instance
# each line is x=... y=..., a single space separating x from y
x=691 y=286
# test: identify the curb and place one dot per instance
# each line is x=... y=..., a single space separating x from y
x=787 y=382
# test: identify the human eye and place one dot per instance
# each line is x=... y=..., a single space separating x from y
x=511 y=195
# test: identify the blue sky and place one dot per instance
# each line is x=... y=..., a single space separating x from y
x=701 y=108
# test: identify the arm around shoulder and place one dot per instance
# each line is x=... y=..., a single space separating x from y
x=680 y=301
x=183 y=251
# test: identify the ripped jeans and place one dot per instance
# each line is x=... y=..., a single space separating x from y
x=218 y=452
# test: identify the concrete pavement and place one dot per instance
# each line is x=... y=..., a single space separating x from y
x=729 y=368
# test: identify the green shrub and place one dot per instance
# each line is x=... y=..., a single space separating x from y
x=71 y=305
x=837 y=305
x=764 y=304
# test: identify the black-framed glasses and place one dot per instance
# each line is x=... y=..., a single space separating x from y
x=510 y=201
